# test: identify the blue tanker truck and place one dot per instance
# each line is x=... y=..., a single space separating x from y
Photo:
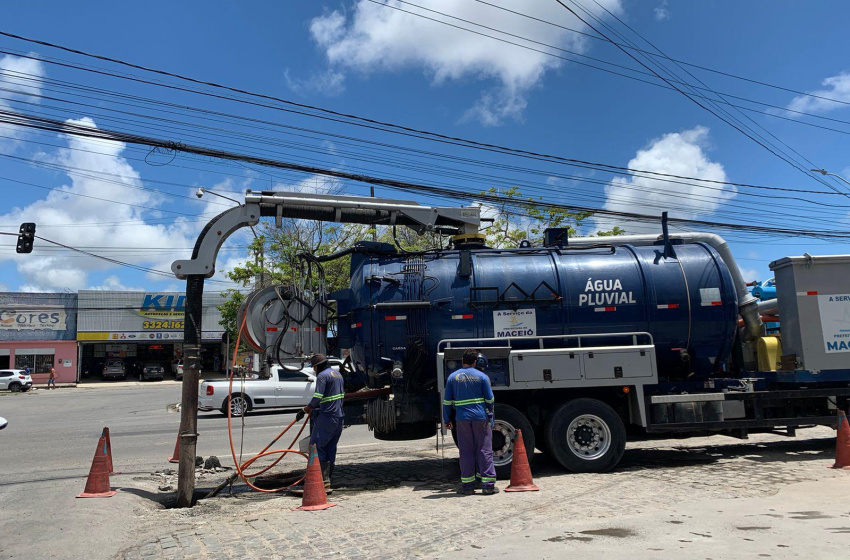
x=589 y=341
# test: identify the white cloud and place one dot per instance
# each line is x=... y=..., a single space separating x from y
x=376 y=38
x=677 y=153
x=751 y=274
x=21 y=78
x=662 y=11
x=113 y=283
x=835 y=87
x=328 y=82
x=63 y=216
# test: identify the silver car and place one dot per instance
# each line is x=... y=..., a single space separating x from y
x=114 y=369
x=15 y=380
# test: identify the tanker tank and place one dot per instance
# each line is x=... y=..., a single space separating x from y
x=399 y=306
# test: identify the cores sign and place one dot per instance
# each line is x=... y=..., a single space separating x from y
x=32 y=320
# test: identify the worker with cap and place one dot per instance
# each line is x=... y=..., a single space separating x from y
x=468 y=394
x=327 y=420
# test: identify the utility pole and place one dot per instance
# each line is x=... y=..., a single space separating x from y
x=374 y=227
x=189 y=409
x=342 y=209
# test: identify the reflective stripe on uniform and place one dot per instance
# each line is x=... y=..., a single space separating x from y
x=467 y=479
x=489 y=401
x=333 y=397
x=448 y=403
x=469 y=402
x=487 y=478
x=317 y=395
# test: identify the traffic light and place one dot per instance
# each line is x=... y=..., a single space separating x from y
x=26 y=235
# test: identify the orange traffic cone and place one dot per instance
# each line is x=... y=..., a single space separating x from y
x=842 y=443
x=109 y=452
x=97 y=485
x=175 y=457
x=520 y=469
x=314 y=485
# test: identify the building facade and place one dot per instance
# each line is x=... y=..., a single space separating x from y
x=141 y=328
x=39 y=330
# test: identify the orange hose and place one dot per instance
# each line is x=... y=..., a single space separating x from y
x=240 y=469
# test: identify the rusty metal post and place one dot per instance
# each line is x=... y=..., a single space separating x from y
x=189 y=402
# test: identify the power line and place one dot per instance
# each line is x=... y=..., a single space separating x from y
x=666 y=57
x=602 y=61
x=669 y=206
x=68 y=128
x=444 y=156
x=695 y=101
x=336 y=116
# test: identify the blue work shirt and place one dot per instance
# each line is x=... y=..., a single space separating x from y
x=468 y=391
x=330 y=390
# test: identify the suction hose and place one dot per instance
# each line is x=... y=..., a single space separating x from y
x=241 y=468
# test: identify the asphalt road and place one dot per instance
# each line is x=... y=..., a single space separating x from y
x=47 y=449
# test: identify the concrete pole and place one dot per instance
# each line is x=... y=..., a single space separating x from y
x=189 y=403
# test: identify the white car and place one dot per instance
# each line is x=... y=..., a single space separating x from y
x=3 y=423
x=177 y=369
x=286 y=387
x=15 y=380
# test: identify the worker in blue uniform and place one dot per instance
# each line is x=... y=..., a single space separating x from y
x=328 y=417
x=469 y=396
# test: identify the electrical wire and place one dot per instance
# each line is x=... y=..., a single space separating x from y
x=731 y=123
x=305 y=109
x=41 y=123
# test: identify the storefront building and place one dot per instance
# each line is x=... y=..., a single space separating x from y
x=139 y=328
x=39 y=331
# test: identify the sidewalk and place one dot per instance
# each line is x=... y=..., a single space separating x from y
x=693 y=499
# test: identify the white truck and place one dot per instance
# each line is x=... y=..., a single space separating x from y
x=287 y=386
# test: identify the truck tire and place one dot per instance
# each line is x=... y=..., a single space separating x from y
x=508 y=421
x=239 y=405
x=586 y=436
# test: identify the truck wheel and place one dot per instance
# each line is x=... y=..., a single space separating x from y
x=586 y=435
x=508 y=421
x=239 y=405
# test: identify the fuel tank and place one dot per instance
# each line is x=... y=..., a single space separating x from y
x=399 y=306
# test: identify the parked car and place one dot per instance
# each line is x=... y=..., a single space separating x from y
x=151 y=370
x=3 y=423
x=114 y=369
x=286 y=387
x=177 y=369
x=15 y=380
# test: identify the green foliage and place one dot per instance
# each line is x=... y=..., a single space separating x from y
x=520 y=219
x=617 y=230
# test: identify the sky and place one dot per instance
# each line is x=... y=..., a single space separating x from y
x=527 y=75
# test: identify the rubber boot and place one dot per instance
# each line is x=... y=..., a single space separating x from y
x=326 y=475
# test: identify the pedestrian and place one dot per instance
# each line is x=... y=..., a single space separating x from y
x=52 y=379
x=327 y=420
x=27 y=369
x=469 y=396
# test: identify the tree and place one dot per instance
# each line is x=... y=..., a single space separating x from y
x=518 y=219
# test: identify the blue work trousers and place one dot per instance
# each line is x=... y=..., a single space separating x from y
x=475 y=442
x=325 y=434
